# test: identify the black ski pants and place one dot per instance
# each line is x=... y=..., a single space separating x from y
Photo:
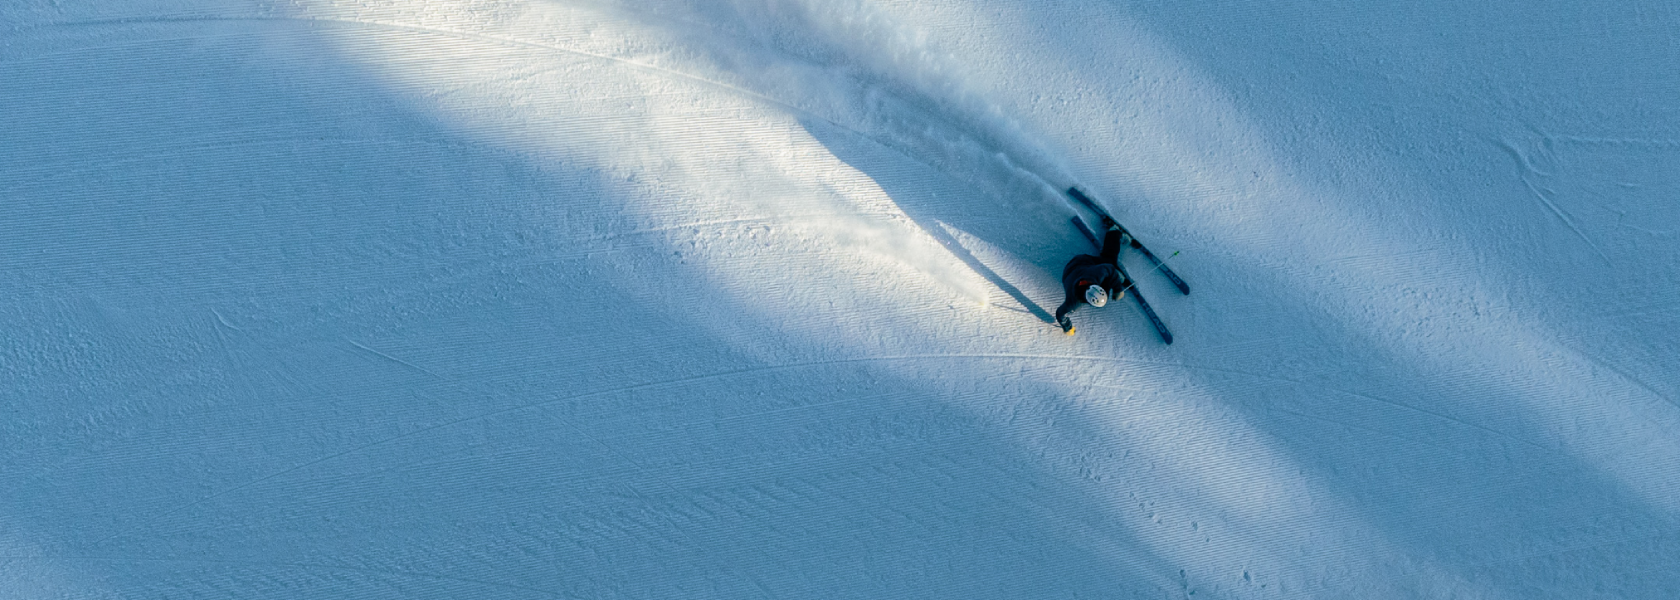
x=1111 y=247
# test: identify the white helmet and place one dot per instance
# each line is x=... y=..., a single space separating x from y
x=1096 y=295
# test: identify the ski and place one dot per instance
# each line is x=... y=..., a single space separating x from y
x=1161 y=328
x=1085 y=229
x=1154 y=319
x=1153 y=260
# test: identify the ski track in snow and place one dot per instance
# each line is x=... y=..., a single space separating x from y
x=1544 y=197
x=179 y=152
x=677 y=299
x=731 y=89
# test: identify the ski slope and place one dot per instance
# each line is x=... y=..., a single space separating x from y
x=750 y=299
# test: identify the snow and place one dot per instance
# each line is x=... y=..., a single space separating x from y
x=750 y=298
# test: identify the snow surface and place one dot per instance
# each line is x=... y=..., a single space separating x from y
x=749 y=299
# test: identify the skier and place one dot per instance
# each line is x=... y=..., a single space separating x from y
x=1094 y=280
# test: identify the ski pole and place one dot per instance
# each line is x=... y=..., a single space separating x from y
x=1158 y=266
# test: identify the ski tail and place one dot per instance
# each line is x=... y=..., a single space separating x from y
x=1087 y=201
x=1085 y=229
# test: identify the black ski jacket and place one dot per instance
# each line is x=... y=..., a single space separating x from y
x=1080 y=273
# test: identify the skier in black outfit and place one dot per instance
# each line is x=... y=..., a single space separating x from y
x=1094 y=280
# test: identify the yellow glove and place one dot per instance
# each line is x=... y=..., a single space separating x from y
x=1071 y=330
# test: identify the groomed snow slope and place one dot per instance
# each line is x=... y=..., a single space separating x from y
x=713 y=299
